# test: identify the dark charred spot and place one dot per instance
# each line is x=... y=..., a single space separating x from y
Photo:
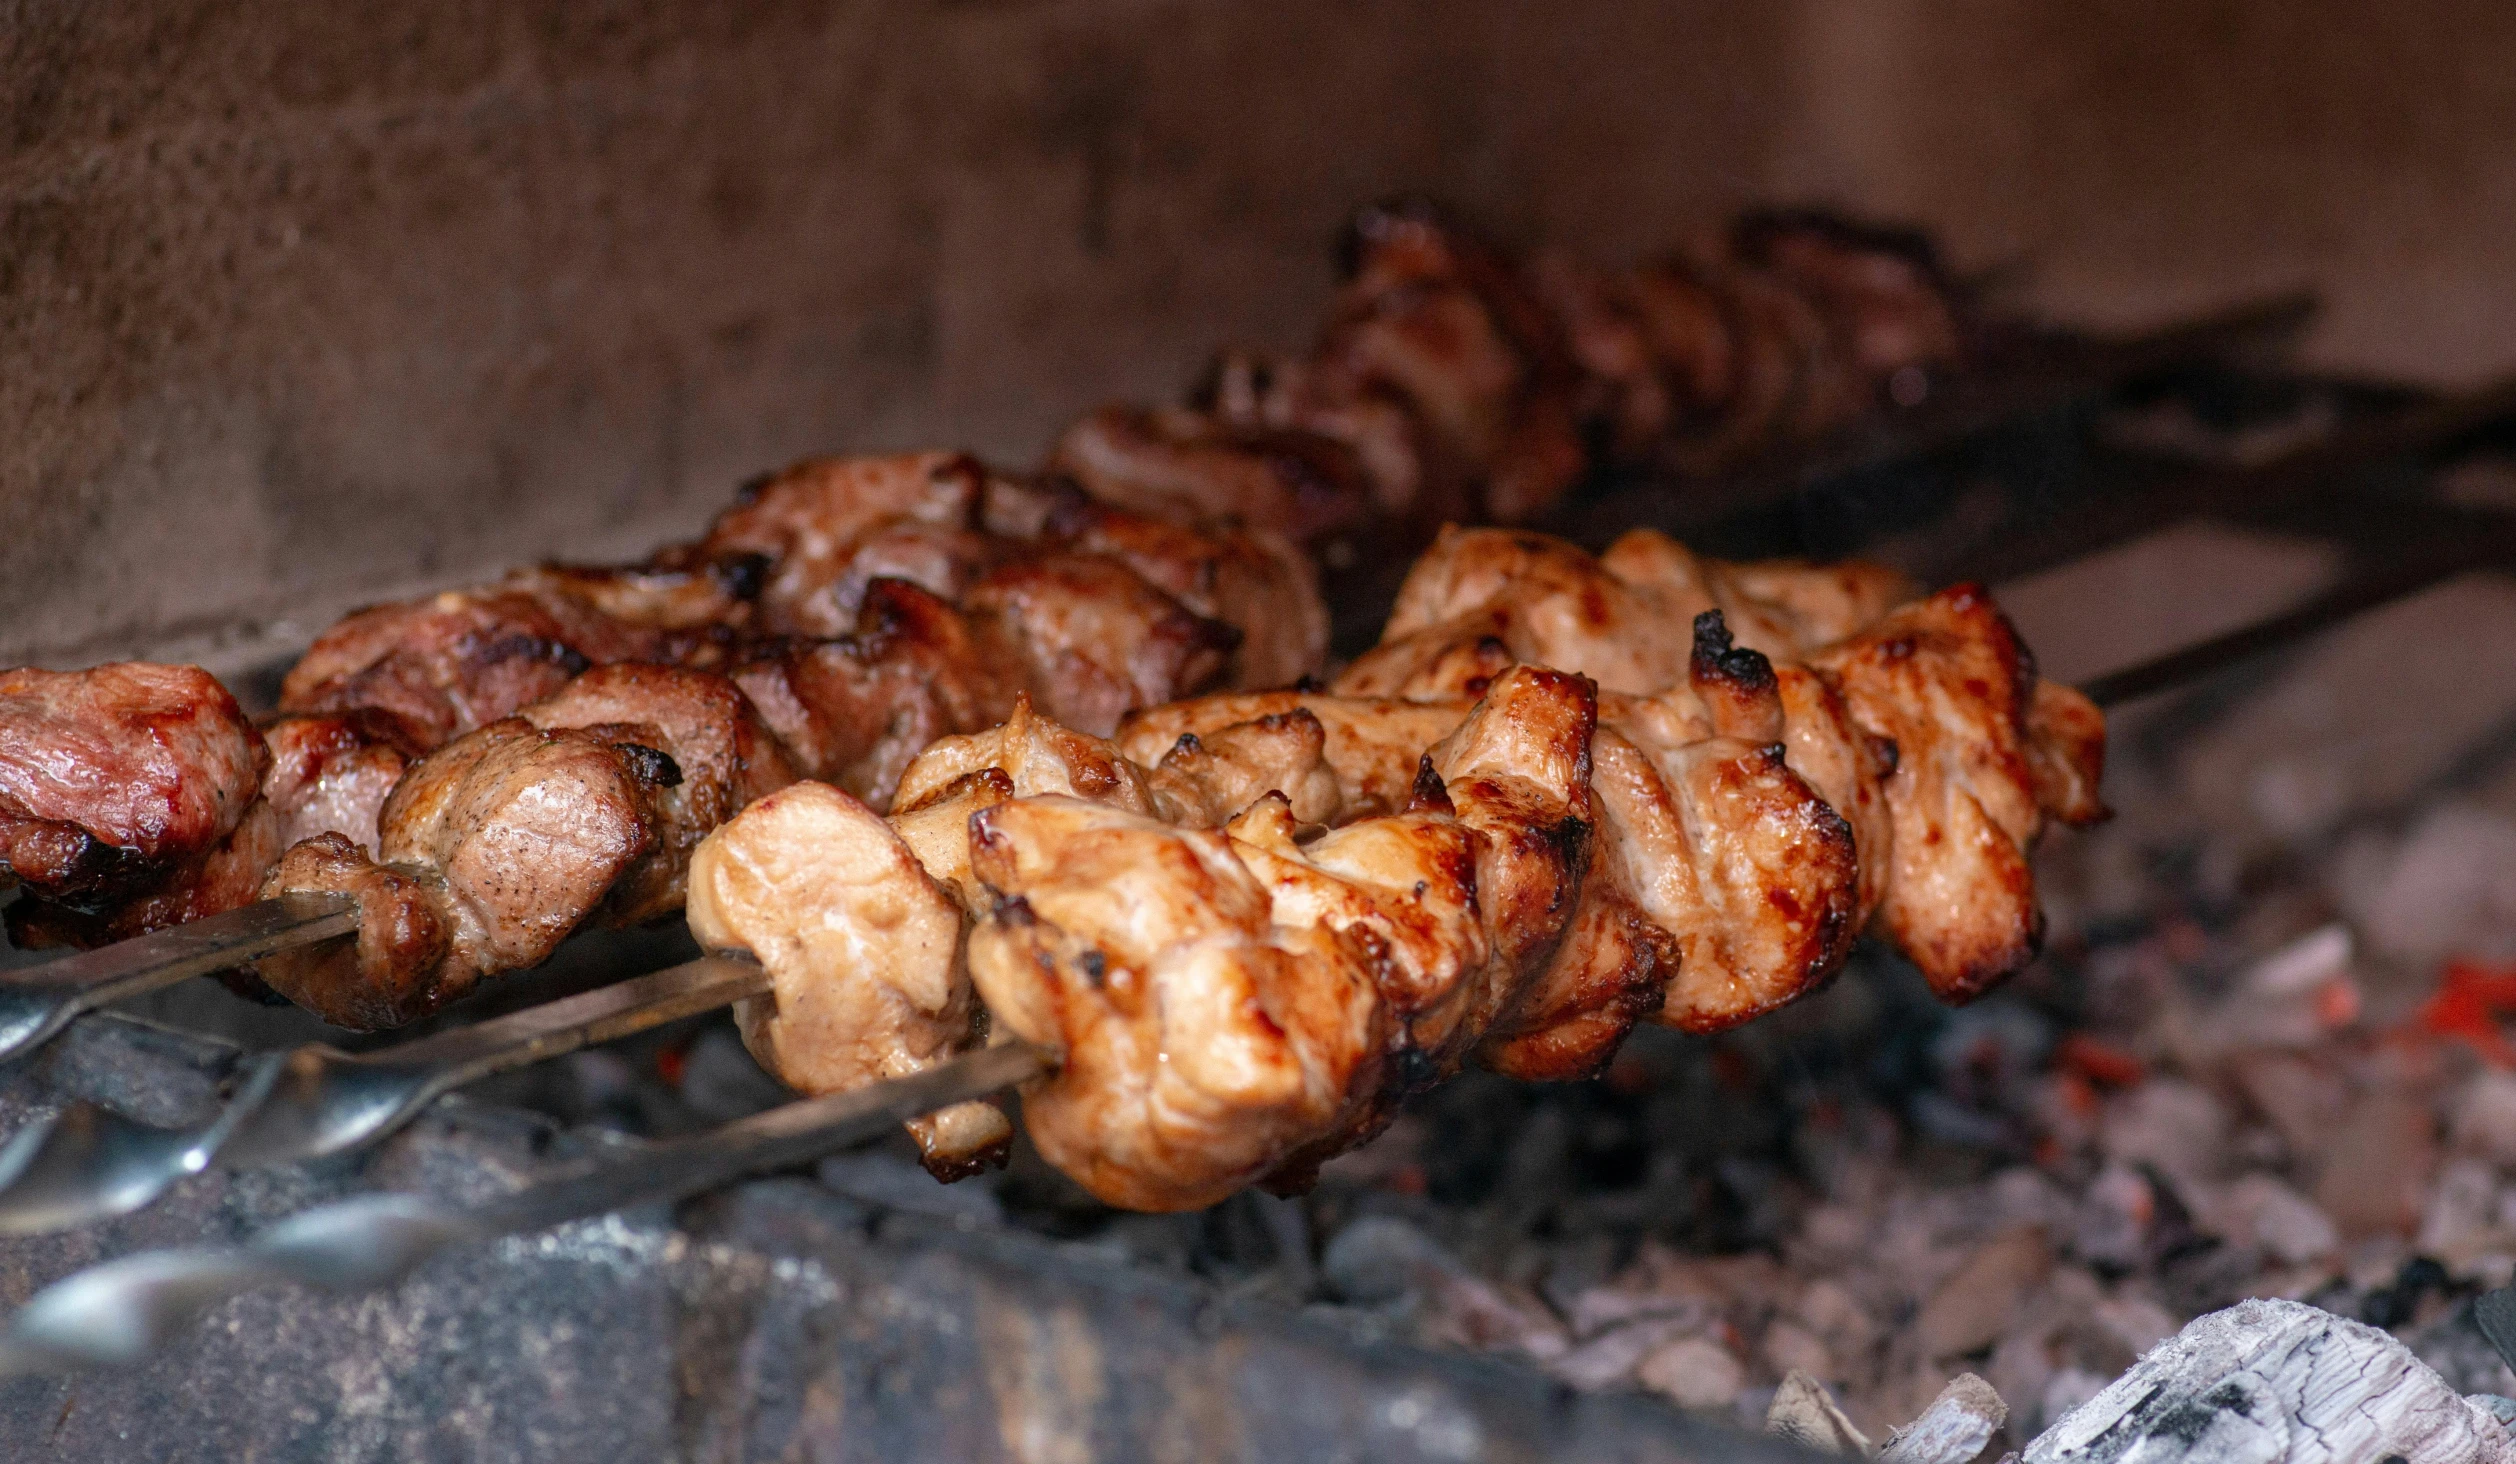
x=742 y=576
x=1899 y=649
x=1094 y=966
x=649 y=766
x=1009 y=909
x=749 y=490
x=1885 y=753
x=521 y=647
x=1786 y=902
x=1420 y=887
x=1430 y=794
x=1187 y=745
x=1093 y=777
x=1309 y=685
x=1718 y=658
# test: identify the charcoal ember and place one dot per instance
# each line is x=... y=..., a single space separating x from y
x=719 y=1080
x=1694 y=1373
x=2378 y=1164
x=2482 y=1116
x=1953 y=1430
x=1612 y=1355
x=2453 y=1344
x=2303 y=1096
x=1971 y=1309
x=2460 y=1224
x=2258 y=1210
x=1803 y=1412
x=2448 y=888
x=2172 y=1125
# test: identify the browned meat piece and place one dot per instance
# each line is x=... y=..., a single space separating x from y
x=1251 y=580
x=1203 y=782
x=725 y=757
x=492 y=849
x=1625 y=618
x=1659 y=349
x=827 y=528
x=855 y=711
x=1404 y=470
x=863 y=950
x=1947 y=681
x=1036 y=755
x=1094 y=639
x=1180 y=464
x=1883 y=288
x=1443 y=322
x=227 y=877
x=116 y=780
x=460 y=660
x=331 y=771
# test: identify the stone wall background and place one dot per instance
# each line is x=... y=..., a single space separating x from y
x=306 y=305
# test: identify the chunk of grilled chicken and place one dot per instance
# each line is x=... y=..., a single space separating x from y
x=1941 y=830
x=1723 y=882
x=493 y=848
x=1233 y=1003
x=1481 y=599
x=863 y=951
x=1986 y=753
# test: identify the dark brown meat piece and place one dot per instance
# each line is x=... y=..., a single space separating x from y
x=331 y=771
x=724 y=756
x=1177 y=463
x=459 y=660
x=114 y=779
x=493 y=848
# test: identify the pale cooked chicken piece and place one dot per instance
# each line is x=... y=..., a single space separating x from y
x=1625 y=618
x=1205 y=782
x=724 y=757
x=1372 y=746
x=1722 y=885
x=863 y=950
x=1219 y=998
x=1483 y=598
x=1198 y=1040
x=1965 y=913
x=1037 y=754
x=491 y=851
x=116 y=779
x=1947 y=680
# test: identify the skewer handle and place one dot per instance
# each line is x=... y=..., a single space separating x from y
x=88 y=1163
x=119 y=1312
x=35 y=1004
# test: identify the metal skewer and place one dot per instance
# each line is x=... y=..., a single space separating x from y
x=35 y=1004
x=87 y=1162
x=119 y=1312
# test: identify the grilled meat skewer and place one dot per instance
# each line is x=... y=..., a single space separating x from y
x=1237 y=997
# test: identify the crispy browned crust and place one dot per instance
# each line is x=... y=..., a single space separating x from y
x=116 y=780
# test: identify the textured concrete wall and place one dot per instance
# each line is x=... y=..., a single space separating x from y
x=305 y=304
